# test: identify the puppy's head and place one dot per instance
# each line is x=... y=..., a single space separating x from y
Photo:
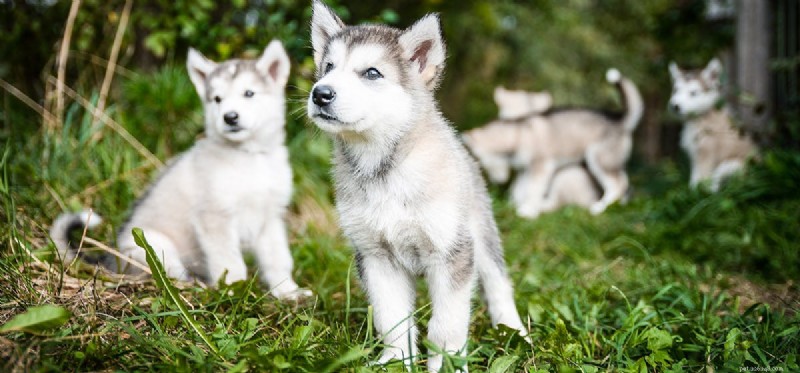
x=695 y=92
x=242 y=98
x=371 y=79
x=514 y=104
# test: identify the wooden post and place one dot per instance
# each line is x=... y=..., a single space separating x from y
x=752 y=64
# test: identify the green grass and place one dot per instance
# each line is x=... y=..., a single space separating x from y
x=676 y=280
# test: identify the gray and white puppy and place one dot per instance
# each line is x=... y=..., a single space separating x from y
x=716 y=148
x=409 y=197
x=226 y=194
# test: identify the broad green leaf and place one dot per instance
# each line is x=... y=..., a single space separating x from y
x=503 y=364
x=37 y=319
x=165 y=284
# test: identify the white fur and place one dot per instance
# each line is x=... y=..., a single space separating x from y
x=229 y=192
x=715 y=147
x=410 y=215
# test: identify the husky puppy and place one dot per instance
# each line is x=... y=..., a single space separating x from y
x=515 y=104
x=409 y=197
x=571 y=185
x=227 y=193
x=715 y=147
x=541 y=144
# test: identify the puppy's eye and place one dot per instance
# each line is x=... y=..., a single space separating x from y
x=248 y=93
x=372 y=74
x=217 y=99
x=328 y=67
x=693 y=93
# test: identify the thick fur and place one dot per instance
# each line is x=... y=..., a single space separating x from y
x=409 y=197
x=715 y=147
x=229 y=192
x=542 y=143
x=571 y=185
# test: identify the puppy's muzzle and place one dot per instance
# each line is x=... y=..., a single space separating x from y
x=323 y=95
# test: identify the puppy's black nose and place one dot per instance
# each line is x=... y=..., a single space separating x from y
x=231 y=118
x=675 y=108
x=323 y=95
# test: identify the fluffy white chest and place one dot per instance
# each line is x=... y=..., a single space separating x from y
x=408 y=211
x=249 y=188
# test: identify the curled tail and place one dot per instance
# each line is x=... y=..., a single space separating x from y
x=67 y=230
x=634 y=105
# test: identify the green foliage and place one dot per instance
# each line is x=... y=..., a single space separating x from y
x=170 y=291
x=37 y=319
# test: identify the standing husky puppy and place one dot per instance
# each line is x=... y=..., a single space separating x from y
x=408 y=195
x=541 y=144
x=228 y=192
x=715 y=148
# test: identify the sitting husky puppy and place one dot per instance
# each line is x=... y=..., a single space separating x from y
x=227 y=193
x=515 y=104
x=715 y=147
x=409 y=197
x=541 y=144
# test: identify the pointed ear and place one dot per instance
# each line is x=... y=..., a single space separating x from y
x=274 y=63
x=423 y=45
x=713 y=71
x=540 y=101
x=324 y=24
x=675 y=71
x=199 y=68
x=499 y=91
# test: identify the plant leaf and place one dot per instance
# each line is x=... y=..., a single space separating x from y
x=37 y=319
x=170 y=292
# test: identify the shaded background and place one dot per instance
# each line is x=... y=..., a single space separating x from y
x=560 y=46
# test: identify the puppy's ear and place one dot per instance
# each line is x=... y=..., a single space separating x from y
x=499 y=93
x=712 y=73
x=324 y=24
x=675 y=72
x=540 y=101
x=423 y=45
x=274 y=63
x=199 y=68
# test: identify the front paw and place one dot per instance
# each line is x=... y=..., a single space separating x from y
x=293 y=295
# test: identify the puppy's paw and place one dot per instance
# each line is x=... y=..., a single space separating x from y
x=390 y=357
x=527 y=211
x=293 y=295
x=597 y=208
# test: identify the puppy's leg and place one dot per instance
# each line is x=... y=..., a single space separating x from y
x=163 y=246
x=702 y=170
x=613 y=180
x=496 y=286
x=541 y=175
x=391 y=293
x=450 y=286
x=219 y=242
x=724 y=171
x=275 y=261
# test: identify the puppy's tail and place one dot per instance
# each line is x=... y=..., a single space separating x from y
x=67 y=230
x=634 y=105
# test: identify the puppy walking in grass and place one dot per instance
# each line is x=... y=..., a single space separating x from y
x=227 y=193
x=409 y=197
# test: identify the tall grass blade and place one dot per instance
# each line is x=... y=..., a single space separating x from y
x=37 y=319
x=170 y=292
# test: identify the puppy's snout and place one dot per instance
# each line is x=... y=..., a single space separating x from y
x=323 y=95
x=231 y=118
x=675 y=108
